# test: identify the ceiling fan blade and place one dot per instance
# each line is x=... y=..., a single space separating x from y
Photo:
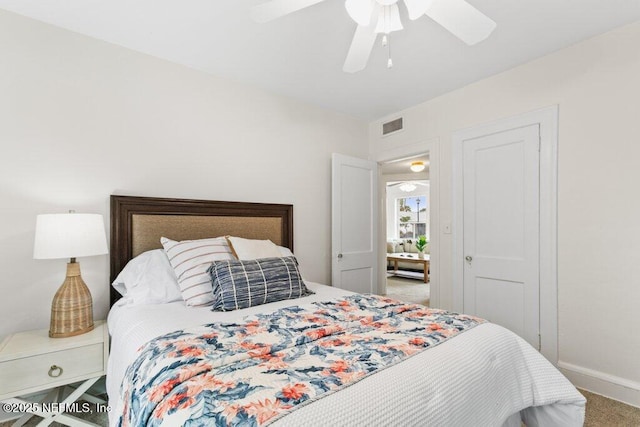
x=273 y=9
x=360 y=49
x=462 y=20
x=360 y=11
x=417 y=8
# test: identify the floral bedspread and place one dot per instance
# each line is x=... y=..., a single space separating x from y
x=254 y=372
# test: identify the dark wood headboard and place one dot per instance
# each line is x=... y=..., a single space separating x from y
x=137 y=223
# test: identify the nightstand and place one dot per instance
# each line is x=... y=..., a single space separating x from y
x=31 y=362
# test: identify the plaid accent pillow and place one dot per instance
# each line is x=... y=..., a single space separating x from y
x=241 y=284
x=190 y=260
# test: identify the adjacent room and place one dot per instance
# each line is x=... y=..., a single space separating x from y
x=407 y=228
x=252 y=212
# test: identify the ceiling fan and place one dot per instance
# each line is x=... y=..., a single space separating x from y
x=383 y=17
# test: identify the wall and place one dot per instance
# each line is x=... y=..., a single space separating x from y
x=81 y=119
x=596 y=85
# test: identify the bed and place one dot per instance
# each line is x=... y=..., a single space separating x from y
x=486 y=376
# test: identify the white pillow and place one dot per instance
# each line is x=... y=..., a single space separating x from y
x=148 y=279
x=190 y=260
x=285 y=252
x=249 y=249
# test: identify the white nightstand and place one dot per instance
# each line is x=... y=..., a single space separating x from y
x=31 y=362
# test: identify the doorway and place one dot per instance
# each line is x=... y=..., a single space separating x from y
x=406 y=228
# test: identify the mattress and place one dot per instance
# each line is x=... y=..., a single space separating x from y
x=485 y=377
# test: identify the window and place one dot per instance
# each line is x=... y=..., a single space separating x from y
x=412 y=217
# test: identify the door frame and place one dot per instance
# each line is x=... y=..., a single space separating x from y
x=410 y=150
x=547 y=118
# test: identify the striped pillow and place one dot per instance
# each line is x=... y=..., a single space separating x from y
x=190 y=260
x=241 y=284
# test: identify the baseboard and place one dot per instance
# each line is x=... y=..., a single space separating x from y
x=616 y=388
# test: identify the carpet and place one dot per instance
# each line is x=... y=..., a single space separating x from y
x=408 y=290
x=604 y=412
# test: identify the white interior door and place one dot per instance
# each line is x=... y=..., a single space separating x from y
x=501 y=222
x=354 y=223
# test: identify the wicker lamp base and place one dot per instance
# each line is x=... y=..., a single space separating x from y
x=72 y=307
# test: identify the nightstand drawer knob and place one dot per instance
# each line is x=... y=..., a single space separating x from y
x=55 y=371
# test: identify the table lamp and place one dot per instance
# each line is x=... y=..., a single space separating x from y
x=70 y=235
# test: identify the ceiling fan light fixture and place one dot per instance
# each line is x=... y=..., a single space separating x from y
x=383 y=16
x=417 y=166
x=389 y=19
x=407 y=187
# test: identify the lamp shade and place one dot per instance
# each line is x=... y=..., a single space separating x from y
x=69 y=235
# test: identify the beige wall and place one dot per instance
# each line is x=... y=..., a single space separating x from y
x=597 y=86
x=81 y=119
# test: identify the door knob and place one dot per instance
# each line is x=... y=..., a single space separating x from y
x=339 y=256
x=469 y=258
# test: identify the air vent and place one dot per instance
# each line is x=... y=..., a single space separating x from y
x=392 y=126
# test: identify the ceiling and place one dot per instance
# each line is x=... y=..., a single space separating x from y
x=301 y=55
